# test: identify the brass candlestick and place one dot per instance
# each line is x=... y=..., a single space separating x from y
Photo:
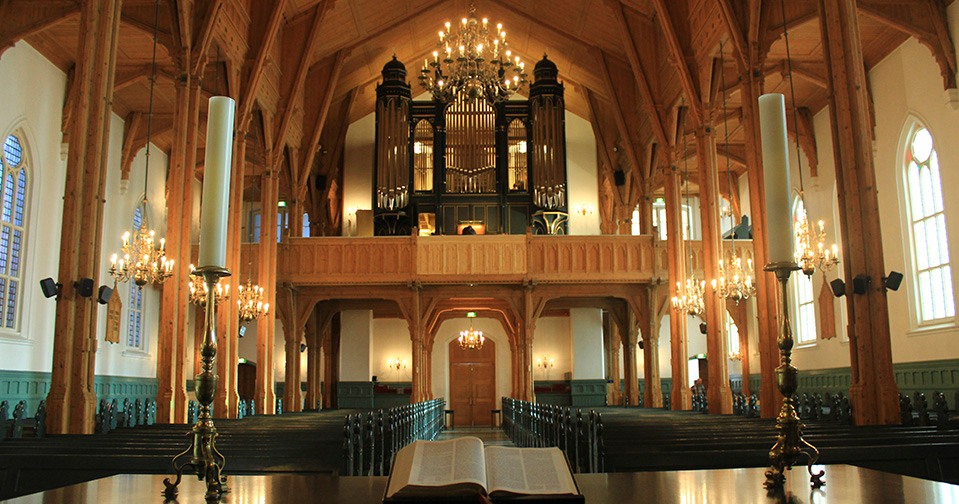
x=202 y=456
x=790 y=444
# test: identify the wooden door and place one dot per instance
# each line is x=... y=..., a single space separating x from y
x=246 y=380
x=472 y=384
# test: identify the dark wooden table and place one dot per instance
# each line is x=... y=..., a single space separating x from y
x=844 y=484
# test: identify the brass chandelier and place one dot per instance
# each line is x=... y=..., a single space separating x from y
x=198 y=289
x=811 y=251
x=472 y=61
x=144 y=258
x=471 y=339
x=736 y=281
x=690 y=294
x=249 y=298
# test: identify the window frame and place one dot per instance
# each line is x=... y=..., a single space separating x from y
x=797 y=306
x=133 y=294
x=916 y=322
x=25 y=270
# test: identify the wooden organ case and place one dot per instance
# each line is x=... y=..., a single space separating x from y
x=497 y=168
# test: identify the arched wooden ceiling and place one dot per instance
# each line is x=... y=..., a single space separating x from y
x=628 y=64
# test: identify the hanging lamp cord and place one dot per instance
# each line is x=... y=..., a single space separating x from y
x=792 y=91
x=682 y=211
x=729 y=170
x=153 y=78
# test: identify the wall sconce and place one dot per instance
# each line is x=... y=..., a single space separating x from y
x=546 y=363
x=396 y=363
x=350 y=221
x=584 y=209
x=735 y=356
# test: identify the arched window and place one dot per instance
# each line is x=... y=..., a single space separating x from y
x=306 y=225
x=13 y=202
x=732 y=333
x=804 y=308
x=927 y=229
x=135 y=306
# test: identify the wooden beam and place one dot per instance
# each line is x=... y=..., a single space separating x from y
x=639 y=74
x=201 y=45
x=915 y=21
x=24 y=18
x=131 y=134
x=601 y=137
x=734 y=27
x=299 y=78
x=619 y=117
x=679 y=59
x=164 y=38
x=259 y=64
x=309 y=149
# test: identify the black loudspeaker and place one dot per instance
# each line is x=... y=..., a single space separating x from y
x=302 y=347
x=320 y=182
x=84 y=287
x=893 y=281
x=838 y=287
x=702 y=327
x=860 y=284
x=103 y=295
x=640 y=344
x=49 y=287
x=242 y=331
x=374 y=379
x=619 y=177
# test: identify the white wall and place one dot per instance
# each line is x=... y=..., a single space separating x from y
x=356 y=340
x=358 y=157
x=391 y=340
x=552 y=339
x=35 y=105
x=449 y=331
x=582 y=176
x=586 y=327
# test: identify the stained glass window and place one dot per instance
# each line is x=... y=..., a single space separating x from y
x=803 y=301
x=135 y=338
x=927 y=219
x=306 y=225
x=732 y=332
x=13 y=208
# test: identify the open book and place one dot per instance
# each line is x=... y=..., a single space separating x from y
x=462 y=469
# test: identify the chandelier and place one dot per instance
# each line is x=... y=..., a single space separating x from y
x=144 y=259
x=690 y=293
x=471 y=61
x=471 y=339
x=199 y=289
x=690 y=297
x=811 y=251
x=735 y=280
x=249 y=298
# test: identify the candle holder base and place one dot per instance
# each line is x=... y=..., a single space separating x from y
x=201 y=457
x=790 y=446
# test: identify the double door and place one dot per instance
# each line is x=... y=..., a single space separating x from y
x=472 y=384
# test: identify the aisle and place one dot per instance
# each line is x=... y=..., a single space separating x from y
x=490 y=437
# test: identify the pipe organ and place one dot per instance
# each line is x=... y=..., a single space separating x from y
x=498 y=168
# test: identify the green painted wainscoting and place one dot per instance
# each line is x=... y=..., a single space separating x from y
x=358 y=395
x=926 y=377
x=587 y=393
x=33 y=386
x=555 y=392
x=391 y=394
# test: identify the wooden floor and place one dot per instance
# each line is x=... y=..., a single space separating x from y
x=844 y=485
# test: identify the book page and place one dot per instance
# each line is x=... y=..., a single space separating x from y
x=439 y=463
x=528 y=471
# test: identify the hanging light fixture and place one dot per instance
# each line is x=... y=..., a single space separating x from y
x=471 y=339
x=249 y=297
x=144 y=258
x=690 y=294
x=736 y=281
x=473 y=61
x=811 y=251
x=199 y=289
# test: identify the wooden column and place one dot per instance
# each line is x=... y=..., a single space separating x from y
x=767 y=293
x=630 y=337
x=653 y=392
x=174 y=302
x=680 y=397
x=292 y=395
x=265 y=395
x=525 y=345
x=873 y=392
x=71 y=402
x=417 y=327
x=331 y=360
x=614 y=395
x=312 y=362
x=738 y=313
x=718 y=393
x=181 y=397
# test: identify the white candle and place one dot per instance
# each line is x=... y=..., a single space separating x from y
x=216 y=182
x=779 y=229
